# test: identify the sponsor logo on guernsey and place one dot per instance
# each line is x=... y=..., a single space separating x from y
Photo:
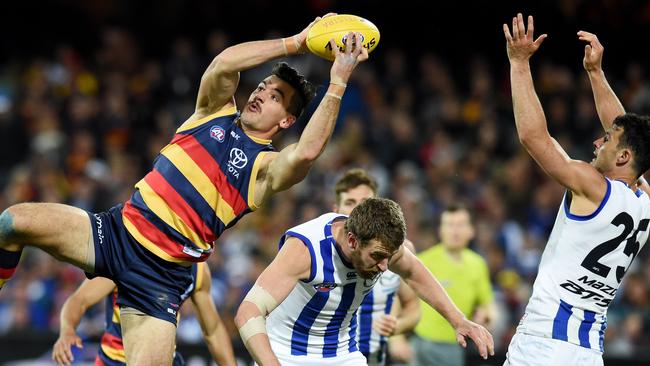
x=351 y=275
x=325 y=287
x=591 y=289
x=100 y=232
x=173 y=309
x=238 y=160
x=191 y=252
x=217 y=133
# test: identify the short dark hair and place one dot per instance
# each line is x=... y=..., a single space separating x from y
x=379 y=219
x=457 y=207
x=453 y=207
x=636 y=137
x=305 y=91
x=352 y=179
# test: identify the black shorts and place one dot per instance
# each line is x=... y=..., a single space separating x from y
x=144 y=281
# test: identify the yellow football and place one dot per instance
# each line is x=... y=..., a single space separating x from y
x=338 y=27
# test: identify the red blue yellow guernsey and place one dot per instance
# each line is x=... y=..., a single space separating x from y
x=111 y=348
x=201 y=184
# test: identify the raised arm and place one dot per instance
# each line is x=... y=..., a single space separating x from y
x=88 y=294
x=292 y=263
x=425 y=285
x=214 y=330
x=580 y=177
x=291 y=165
x=608 y=105
x=219 y=81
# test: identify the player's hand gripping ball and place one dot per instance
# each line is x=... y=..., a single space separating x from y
x=338 y=27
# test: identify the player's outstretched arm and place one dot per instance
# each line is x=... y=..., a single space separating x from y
x=88 y=294
x=220 y=79
x=420 y=279
x=292 y=264
x=578 y=176
x=608 y=105
x=214 y=330
x=291 y=165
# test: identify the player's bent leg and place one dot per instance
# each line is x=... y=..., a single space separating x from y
x=147 y=340
x=61 y=230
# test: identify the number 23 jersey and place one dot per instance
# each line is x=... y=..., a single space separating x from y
x=583 y=264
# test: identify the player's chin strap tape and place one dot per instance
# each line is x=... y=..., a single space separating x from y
x=262 y=299
x=253 y=326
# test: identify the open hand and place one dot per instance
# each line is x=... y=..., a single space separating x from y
x=345 y=62
x=593 y=51
x=62 y=350
x=520 y=43
x=478 y=334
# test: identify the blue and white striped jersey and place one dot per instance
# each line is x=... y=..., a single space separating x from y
x=318 y=318
x=378 y=302
x=583 y=265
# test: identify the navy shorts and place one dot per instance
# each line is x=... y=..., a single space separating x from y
x=144 y=281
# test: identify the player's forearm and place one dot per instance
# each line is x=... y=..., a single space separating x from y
x=220 y=347
x=319 y=129
x=608 y=105
x=247 y=55
x=260 y=349
x=529 y=115
x=254 y=337
x=408 y=318
x=70 y=317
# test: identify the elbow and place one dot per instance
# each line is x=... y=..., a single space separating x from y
x=244 y=314
x=525 y=138
x=220 y=65
x=240 y=318
x=306 y=156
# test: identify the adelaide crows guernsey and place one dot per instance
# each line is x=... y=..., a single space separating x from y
x=582 y=267
x=111 y=348
x=317 y=319
x=202 y=182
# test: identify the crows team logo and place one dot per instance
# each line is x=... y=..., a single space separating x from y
x=217 y=133
x=325 y=287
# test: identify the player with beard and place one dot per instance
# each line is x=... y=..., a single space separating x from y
x=323 y=271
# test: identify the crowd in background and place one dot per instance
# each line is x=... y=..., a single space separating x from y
x=83 y=128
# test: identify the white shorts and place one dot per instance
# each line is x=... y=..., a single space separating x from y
x=529 y=350
x=350 y=359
